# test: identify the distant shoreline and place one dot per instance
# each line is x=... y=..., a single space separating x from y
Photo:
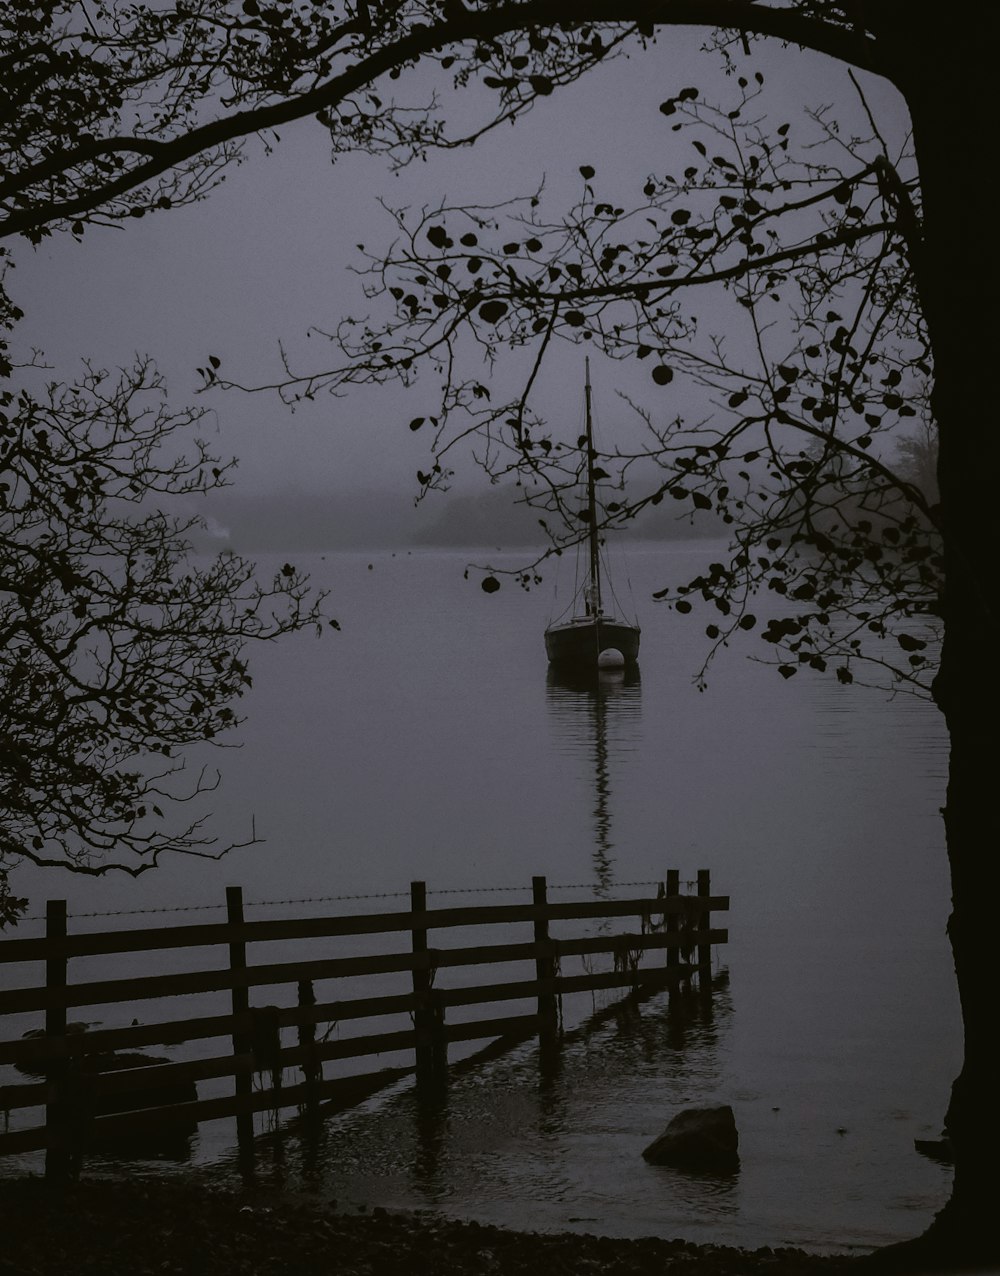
x=301 y=522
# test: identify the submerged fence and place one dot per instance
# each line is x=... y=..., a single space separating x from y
x=95 y=1089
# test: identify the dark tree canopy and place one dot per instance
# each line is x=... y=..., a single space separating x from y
x=139 y=107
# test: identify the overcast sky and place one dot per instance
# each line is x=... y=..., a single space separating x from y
x=267 y=255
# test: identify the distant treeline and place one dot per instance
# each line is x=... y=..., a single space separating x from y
x=290 y=520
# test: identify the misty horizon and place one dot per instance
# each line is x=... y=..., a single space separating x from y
x=294 y=518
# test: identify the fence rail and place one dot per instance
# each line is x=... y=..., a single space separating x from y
x=91 y=1091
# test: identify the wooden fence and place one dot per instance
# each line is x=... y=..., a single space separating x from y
x=92 y=1093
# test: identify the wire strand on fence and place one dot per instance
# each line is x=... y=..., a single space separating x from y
x=336 y=899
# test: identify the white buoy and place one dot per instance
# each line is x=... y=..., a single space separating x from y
x=610 y=658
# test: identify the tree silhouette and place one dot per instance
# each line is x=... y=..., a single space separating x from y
x=119 y=649
x=917 y=457
x=135 y=109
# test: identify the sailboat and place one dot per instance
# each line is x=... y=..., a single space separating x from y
x=594 y=635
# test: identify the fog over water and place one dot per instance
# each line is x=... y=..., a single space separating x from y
x=426 y=740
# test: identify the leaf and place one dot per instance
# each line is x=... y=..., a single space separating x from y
x=574 y=318
x=541 y=84
x=587 y=171
x=663 y=375
x=909 y=643
x=668 y=107
x=680 y=217
x=489 y=585
x=493 y=311
x=416 y=423
x=747 y=621
x=683 y=606
x=787 y=671
x=701 y=501
x=438 y=236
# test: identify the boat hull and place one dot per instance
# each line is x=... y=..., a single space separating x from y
x=579 y=643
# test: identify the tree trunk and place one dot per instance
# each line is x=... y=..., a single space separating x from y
x=946 y=79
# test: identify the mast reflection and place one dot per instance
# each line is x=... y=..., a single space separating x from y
x=593 y=710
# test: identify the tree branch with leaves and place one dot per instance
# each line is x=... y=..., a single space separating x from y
x=119 y=647
x=790 y=415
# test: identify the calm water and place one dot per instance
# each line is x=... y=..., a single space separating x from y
x=426 y=740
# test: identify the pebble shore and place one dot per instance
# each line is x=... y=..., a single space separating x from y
x=105 y=1228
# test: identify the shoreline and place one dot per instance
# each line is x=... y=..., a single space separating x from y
x=114 y=1228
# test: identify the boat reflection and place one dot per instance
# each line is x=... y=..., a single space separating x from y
x=594 y=711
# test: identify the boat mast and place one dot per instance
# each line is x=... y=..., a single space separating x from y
x=594 y=591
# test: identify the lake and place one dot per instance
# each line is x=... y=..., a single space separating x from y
x=425 y=740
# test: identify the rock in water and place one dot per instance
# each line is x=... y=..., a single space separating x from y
x=702 y=1139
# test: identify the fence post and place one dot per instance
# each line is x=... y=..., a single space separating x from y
x=545 y=968
x=673 y=919
x=431 y=1048
x=312 y=1069
x=704 y=923
x=57 y=1119
x=243 y=1081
